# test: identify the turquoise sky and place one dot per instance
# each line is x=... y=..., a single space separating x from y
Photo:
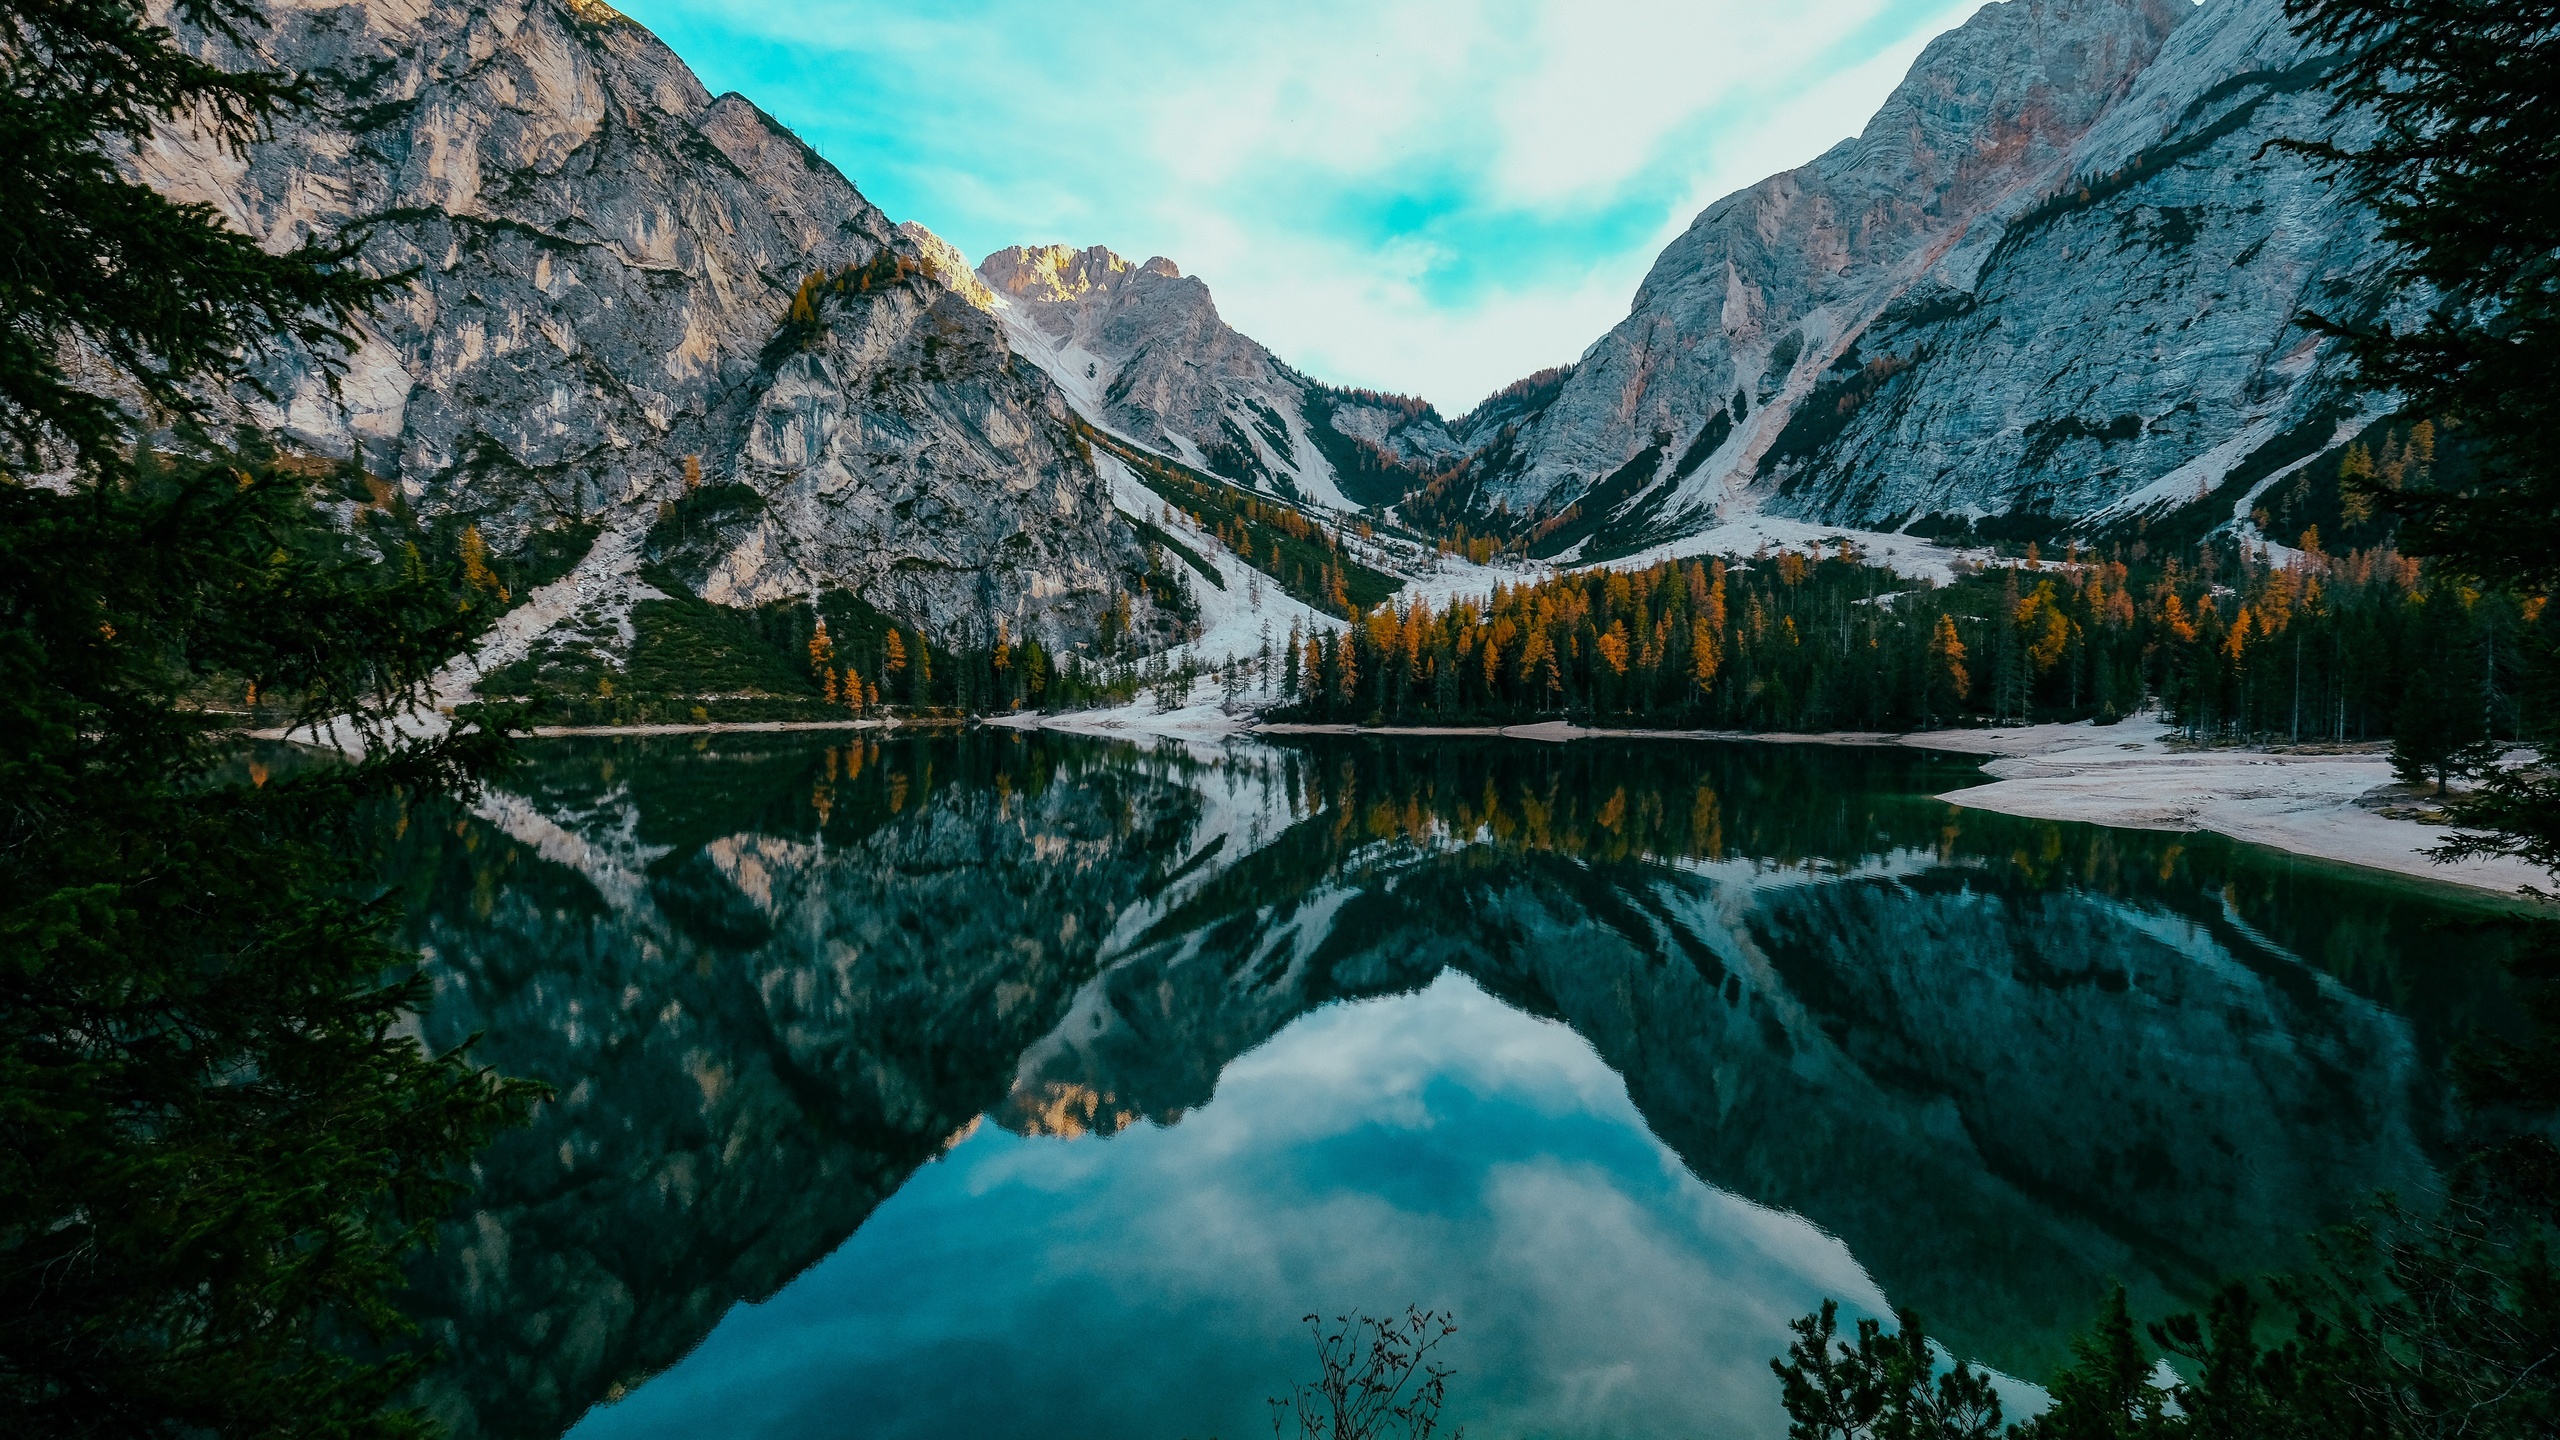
x=1428 y=196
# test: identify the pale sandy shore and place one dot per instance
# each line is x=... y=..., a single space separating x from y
x=2130 y=775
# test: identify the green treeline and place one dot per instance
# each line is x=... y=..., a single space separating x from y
x=2319 y=648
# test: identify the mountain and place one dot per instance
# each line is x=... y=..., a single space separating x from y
x=632 y=298
x=2059 y=278
x=2060 y=281
x=1141 y=351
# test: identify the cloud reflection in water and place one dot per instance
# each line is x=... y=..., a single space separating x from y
x=1438 y=1148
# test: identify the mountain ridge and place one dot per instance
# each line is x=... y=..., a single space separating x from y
x=2057 y=284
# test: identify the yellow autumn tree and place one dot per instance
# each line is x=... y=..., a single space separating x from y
x=475 y=564
x=822 y=654
x=1948 y=681
x=1613 y=647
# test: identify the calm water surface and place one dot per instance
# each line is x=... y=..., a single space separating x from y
x=982 y=1084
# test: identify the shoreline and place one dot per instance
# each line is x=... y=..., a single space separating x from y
x=302 y=736
x=1558 y=732
x=2320 y=803
x=730 y=727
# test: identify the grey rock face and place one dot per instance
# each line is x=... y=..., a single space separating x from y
x=603 y=254
x=1142 y=351
x=2132 y=337
x=2056 y=269
x=903 y=444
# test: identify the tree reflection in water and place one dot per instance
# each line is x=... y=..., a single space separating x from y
x=770 y=976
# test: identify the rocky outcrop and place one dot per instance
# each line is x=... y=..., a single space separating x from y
x=2059 y=272
x=949 y=266
x=603 y=255
x=898 y=448
x=1142 y=351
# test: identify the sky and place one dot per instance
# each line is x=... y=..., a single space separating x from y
x=1432 y=197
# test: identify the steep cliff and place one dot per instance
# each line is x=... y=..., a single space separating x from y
x=2060 y=279
x=604 y=258
x=2059 y=272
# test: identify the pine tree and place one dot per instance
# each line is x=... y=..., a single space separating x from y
x=2456 y=133
x=2441 y=730
x=179 y=303
x=2454 y=96
x=217 y=1136
x=1947 y=683
x=1705 y=657
x=822 y=654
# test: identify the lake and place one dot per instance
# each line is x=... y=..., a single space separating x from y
x=972 y=1084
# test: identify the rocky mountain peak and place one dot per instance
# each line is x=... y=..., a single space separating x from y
x=948 y=266
x=1990 y=106
x=1062 y=274
x=1141 y=351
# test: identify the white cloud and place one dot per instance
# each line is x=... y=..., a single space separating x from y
x=1439 y=1148
x=1433 y=195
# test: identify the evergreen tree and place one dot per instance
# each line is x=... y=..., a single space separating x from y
x=162 y=290
x=216 y=1135
x=1947 y=683
x=2441 y=730
x=2458 y=166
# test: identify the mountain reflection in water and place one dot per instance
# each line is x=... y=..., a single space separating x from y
x=1674 y=1040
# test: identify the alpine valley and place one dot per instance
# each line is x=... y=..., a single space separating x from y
x=657 y=356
